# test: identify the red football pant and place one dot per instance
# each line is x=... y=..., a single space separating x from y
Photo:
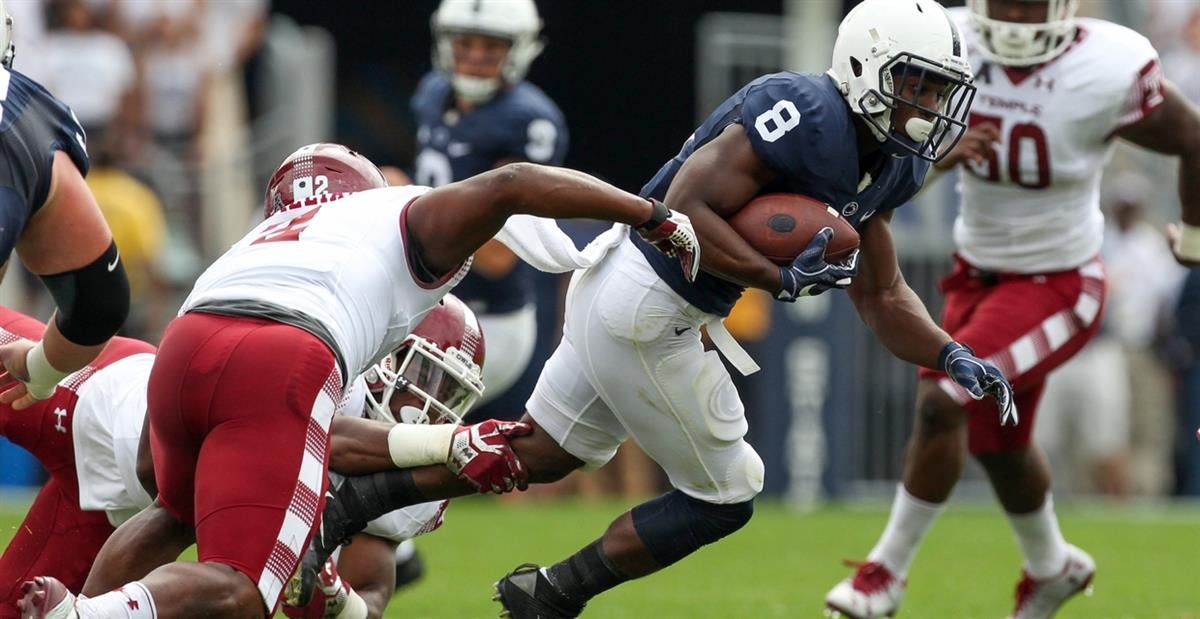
x=56 y=538
x=239 y=428
x=1027 y=325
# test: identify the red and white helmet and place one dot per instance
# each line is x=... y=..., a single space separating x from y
x=316 y=169
x=440 y=362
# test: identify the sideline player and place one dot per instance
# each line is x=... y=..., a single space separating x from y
x=49 y=216
x=474 y=112
x=87 y=437
x=248 y=376
x=1027 y=291
x=631 y=362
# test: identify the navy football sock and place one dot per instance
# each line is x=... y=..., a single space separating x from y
x=585 y=574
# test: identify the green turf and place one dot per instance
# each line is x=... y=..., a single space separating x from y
x=782 y=563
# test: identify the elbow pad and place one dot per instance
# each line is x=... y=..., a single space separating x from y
x=93 y=301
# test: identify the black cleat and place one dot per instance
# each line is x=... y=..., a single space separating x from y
x=526 y=593
x=409 y=570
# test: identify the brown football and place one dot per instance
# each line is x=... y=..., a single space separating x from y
x=781 y=225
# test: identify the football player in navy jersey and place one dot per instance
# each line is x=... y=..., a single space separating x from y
x=48 y=214
x=631 y=362
x=474 y=112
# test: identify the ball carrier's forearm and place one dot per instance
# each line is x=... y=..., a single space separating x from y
x=902 y=323
x=453 y=221
x=708 y=198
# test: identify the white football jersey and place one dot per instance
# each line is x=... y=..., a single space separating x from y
x=106 y=429
x=1034 y=205
x=338 y=259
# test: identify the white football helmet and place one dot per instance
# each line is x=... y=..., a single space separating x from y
x=882 y=42
x=440 y=362
x=6 y=37
x=514 y=20
x=1022 y=45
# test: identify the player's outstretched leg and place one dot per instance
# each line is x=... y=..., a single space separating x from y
x=348 y=508
x=150 y=539
x=651 y=536
x=1053 y=570
x=933 y=463
x=409 y=565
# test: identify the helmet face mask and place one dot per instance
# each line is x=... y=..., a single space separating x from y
x=445 y=384
x=515 y=21
x=435 y=375
x=1024 y=43
x=927 y=132
x=884 y=48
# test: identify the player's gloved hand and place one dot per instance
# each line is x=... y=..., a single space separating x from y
x=671 y=233
x=979 y=377
x=809 y=275
x=481 y=455
x=330 y=597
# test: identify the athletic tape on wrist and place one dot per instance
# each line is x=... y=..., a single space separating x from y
x=356 y=607
x=1188 y=247
x=43 y=377
x=412 y=445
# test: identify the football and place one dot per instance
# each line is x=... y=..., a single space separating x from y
x=781 y=225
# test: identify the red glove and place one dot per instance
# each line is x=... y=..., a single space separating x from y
x=671 y=232
x=480 y=454
x=329 y=596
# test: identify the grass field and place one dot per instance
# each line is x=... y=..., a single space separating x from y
x=782 y=563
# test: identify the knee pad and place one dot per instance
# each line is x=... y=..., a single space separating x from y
x=746 y=476
x=675 y=525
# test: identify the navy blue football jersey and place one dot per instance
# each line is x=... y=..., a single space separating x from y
x=801 y=127
x=521 y=123
x=33 y=125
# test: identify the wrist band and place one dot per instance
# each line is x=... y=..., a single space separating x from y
x=658 y=215
x=412 y=445
x=1188 y=247
x=43 y=377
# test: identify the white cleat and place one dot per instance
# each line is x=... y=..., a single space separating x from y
x=45 y=597
x=873 y=591
x=1040 y=599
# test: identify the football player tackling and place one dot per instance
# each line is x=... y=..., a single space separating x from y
x=1027 y=290
x=631 y=363
x=248 y=377
x=88 y=436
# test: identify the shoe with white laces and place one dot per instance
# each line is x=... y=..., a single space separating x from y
x=45 y=597
x=1040 y=599
x=873 y=591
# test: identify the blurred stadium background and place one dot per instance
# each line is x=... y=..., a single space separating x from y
x=190 y=104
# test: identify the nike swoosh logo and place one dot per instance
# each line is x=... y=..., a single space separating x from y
x=680 y=330
x=112 y=265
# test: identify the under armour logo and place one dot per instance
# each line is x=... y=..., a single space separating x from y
x=1039 y=82
x=59 y=414
x=850 y=209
